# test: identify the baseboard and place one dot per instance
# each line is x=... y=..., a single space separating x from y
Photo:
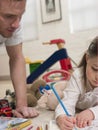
x=5 y=78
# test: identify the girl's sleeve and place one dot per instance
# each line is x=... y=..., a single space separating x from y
x=89 y=99
x=71 y=95
x=95 y=111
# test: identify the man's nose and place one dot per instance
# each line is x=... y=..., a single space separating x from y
x=16 y=23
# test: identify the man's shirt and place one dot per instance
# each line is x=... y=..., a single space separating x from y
x=15 y=39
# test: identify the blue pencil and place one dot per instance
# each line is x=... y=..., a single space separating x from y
x=60 y=101
x=64 y=108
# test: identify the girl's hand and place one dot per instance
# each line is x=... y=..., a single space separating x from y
x=65 y=122
x=84 y=118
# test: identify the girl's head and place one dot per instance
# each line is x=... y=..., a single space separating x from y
x=89 y=63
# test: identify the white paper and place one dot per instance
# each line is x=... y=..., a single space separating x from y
x=94 y=126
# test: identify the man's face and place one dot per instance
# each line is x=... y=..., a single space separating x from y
x=10 y=15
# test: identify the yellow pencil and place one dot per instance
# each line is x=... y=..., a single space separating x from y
x=41 y=128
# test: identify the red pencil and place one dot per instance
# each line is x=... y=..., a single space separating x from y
x=38 y=128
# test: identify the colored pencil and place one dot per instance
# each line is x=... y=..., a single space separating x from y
x=60 y=101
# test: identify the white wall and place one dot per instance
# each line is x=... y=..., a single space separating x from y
x=75 y=43
x=59 y=29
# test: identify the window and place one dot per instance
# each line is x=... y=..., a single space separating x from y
x=83 y=14
x=29 y=20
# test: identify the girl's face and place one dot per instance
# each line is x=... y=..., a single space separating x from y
x=92 y=70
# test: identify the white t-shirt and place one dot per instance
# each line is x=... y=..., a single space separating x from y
x=76 y=95
x=14 y=40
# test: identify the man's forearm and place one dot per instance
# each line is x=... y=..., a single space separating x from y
x=18 y=76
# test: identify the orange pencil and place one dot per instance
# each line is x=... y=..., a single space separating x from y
x=39 y=128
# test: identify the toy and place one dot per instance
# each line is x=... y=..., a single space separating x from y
x=33 y=94
x=64 y=63
x=10 y=96
x=49 y=100
x=59 y=55
x=56 y=56
x=5 y=109
x=33 y=65
x=56 y=75
x=39 y=93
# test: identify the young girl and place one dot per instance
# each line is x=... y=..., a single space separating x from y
x=81 y=93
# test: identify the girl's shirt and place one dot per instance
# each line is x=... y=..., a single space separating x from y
x=78 y=96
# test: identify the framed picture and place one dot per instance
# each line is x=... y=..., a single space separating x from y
x=50 y=10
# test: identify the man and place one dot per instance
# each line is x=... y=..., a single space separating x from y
x=11 y=12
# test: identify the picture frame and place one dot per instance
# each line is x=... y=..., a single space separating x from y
x=50 y=10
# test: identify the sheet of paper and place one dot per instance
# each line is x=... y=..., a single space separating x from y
x=53 y=125
x=94 y=126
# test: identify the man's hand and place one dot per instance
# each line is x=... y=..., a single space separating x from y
x=25 y=112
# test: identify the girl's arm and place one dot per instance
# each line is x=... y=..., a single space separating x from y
x=71 y=96
x=89 y=99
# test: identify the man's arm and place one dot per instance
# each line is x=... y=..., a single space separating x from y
x=18 y=73
x=18 y=76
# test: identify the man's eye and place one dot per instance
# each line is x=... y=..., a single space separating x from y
x=94 y=69
x=10 y=16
